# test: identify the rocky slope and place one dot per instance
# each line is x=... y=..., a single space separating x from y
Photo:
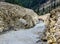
x=53 y=28
x=16 y=17
x=24 y=36
x=12 y=16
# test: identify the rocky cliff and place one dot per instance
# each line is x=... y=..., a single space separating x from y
x=52 y=22
x=14 y=16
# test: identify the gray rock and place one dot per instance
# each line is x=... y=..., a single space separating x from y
x=11 y=15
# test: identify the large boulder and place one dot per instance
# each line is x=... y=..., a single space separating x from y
x=14 y=16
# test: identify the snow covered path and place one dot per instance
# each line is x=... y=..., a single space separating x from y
x=23 y=36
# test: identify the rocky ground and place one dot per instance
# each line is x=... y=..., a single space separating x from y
x=14 y=15
x=43 y=29
x=52 y=22
x=24 y=36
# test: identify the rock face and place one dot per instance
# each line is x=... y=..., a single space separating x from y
x=52 y=21
x=54 y=28
x=45 y=18
x=14 y=16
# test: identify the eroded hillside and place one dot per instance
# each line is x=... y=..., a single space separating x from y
x=47 y=27
x=52 y=22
